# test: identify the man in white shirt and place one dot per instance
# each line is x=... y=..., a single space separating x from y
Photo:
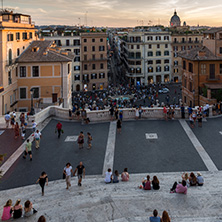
x=67 y=171
x=7 y=119
x=37 y=137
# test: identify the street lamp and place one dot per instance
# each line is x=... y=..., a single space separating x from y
x=32 y=112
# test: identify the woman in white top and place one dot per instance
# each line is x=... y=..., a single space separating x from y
x=137 y=113
x=108 y=177
x=67 y=171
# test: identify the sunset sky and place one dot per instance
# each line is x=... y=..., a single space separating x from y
x=118 y=13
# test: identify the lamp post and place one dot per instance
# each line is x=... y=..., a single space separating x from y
x=32 y=112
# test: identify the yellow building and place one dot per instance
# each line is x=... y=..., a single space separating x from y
x=46 y=71
x=16 y=33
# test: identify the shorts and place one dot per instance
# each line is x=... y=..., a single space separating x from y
x=29 y=152
x=79 y=176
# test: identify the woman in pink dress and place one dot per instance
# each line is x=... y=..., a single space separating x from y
x=7 y=210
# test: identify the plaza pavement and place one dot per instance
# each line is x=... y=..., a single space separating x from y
x=171 y=154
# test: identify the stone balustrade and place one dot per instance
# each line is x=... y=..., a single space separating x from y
x=103 y=115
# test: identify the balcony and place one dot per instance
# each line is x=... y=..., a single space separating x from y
x=133 y=75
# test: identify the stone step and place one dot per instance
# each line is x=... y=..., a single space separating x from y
x=97 y=201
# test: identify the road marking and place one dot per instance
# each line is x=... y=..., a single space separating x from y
x=71 y=138
x=110 y=148
x=1 y=132
x=150 y=136
x=10 y=161
x=199 y=148
x=220 y=132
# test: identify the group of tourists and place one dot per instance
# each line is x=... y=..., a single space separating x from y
x=114 y=178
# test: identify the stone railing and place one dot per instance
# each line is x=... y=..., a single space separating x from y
x=102 y=115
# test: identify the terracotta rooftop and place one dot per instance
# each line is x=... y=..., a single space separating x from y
x=44 y=51
x=201 y=53
x=213 y=30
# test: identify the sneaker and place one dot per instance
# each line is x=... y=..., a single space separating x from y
x=34 y=211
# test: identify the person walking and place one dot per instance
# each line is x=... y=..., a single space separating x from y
x=16 y=130
x=59 y=129
x=23 y=131
x=89 y=141
x=28 y=150
x=34 y=125
x=37 y=137
x=67 y=171
x=80 y=169
x=119 y=126
x=12 y=122
x=182 y=108
x=81 y=140
x=42 y=180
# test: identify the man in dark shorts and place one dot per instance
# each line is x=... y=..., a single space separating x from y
x=28 y=150
x=80 y=169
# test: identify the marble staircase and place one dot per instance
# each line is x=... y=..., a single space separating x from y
x=122 y=202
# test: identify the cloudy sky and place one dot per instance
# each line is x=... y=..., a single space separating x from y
x=119 y=13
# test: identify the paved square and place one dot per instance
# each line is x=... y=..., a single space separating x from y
x=171 y=152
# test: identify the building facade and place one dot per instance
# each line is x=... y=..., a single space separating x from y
x=202 y=70
x=16 y=33
x=44 y=76
x=93 y=58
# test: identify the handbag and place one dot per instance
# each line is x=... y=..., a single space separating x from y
x=63 y=175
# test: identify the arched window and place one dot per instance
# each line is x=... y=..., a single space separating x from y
x=166 y=68
x=158 y=69
x=150 y=69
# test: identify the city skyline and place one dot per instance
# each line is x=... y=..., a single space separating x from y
x=118 y=13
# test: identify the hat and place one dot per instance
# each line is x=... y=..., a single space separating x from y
x=199 y=174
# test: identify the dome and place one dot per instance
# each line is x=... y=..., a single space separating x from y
x=175 y=20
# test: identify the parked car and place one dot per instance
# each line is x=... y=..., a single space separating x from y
x=164 y=90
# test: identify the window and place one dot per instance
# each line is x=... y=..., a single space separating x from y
x=132 y=46
x=150 y=69
x=93 y=76
x=166 y=53
x=220 y=68
x=175 y=54
x=190 y=40
x=93 y=48
x=93 y=66
x=9 y=78
x=10 y=56
x=149 y=46
x=35 y=92
x=158 y=53
x=166 y=38
x=158 y=61
x=85 y=48
x=190 y=67
x=30 y=35
x=175 y=63
x=77 y=77
x=166 y=68
x=166 y=46
x=101 y=56
x=85 y=57
x=93 y=40
x=77 y=59
x=76 y=42
x=35 y=71
x=203 y=68
x=184 y=64
x=138 y=46
x=190 y=86
x=18 y=52
x=85 y=77
x=183 y=40
x=85 y=67
x=17 y=35
x=183 y=48
x=22 y=71
x=175 y=48
x=158 y=69
x=185 y=82
x=101 y=66
x=212 y=71
x=175 y=40
x=138 y=55
x=150 y=61
x=67 y=42
x=176 y=70
x=68 y=68
x=76 y=68
x=149 y=38
x=166 y=61
x=101 y=40
x=220 y=50
x=158 y=46
x=22 y=93
x=24 y=36
x=93 y=57
x=10 y=37
x=101 y=48
x=16 y=71
x=102 y=75
x=138 y=62
x=150 y=54
x=158 y=38
x=84 y=40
